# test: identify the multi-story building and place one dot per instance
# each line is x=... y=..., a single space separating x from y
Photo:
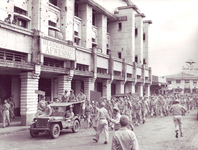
x=183 y=83
x=159 y=85
x=55 y=45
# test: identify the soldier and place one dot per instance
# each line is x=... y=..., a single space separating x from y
x=5 y=112
x=153 y=106
x=137 y=110
x=115 y=118
x=176 y=109
x=88 y=109
x=161 y=105
x=81 y=97
x=144 y=109
x=102 y=116
x=65 y=97
x=72 y=97
x=94 y=114
x=42 y=105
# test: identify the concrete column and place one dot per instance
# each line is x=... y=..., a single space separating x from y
x=64 y=83
x=146 y=25
x=128 y=87
x=133 y=87
x=139 y=37
x=67 y=18
x=101 y=24
x=119 y=87
x=89 y=84
x=140 y=89
x=85 y=13
x=29 y=99
x=107 y=89
x=147 y=88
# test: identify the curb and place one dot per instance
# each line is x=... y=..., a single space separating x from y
x=14 y=131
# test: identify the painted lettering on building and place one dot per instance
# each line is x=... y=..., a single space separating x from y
x=57 y=49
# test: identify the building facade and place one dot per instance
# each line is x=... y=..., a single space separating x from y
x=183 y=83
x=159 y=85
x=55 y=45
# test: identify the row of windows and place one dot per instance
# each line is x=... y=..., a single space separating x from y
x=13 y=56
x=186 y=81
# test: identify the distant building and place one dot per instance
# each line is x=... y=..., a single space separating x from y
x=183 y=83
x=53 y=45
x=159 y=85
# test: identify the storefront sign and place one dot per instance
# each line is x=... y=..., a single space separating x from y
x=57 y=49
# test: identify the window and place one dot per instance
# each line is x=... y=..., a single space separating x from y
x=136 y=59
x=93 y=18
x=119 y=55
x=50 y=23
x=187 y=81
x=108 y=51
x=82 y=67
x=136 y=32
x=144 y=36
x=20 y=11
x=22 y=20
x=169 y=82
x=119 y=26
x=144 y=61
x=22 y=23
x=53 y=62
x=101 y=71
x=178 y=81
x=76 y=10
x=54 y=2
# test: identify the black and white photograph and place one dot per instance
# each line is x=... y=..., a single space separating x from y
x=98 y=75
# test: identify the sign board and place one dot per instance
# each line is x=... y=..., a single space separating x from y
x=95 y=96
x=56 y=49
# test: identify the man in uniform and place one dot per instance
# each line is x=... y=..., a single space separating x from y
x=102 y=116
x=144 y=108
x=65 y=97
x=5 y=112
x=124 y=139
x=137 y=109
x=81 y=97
x=153 y=106
x=115 y=118
x=176 y=109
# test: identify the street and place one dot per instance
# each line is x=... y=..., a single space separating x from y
x=156 y=134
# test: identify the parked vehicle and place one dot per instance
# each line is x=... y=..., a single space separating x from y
x=58 y=120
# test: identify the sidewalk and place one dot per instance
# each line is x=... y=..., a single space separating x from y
x=15 y=126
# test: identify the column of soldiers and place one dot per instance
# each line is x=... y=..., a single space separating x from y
x=139 y=108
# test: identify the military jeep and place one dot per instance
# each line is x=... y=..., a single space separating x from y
x=58 y=120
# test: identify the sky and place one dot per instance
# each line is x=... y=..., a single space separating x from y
x=173 y=34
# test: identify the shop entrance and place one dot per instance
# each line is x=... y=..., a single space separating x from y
x=45 y=85
x=5 y=86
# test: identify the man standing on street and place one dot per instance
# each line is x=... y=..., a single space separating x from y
x=5 y=112
x=102 y=116
x=124 y=139
x=176 y=109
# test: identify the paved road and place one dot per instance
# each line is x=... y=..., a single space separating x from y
x=156 y=134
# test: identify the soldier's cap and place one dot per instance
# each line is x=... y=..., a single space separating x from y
x=102 y=104
x=124 y=120
x=116 y=108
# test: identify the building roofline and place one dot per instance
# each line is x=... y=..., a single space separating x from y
x=140 y=15
x=129 y=7
x=99 y=8
x=147 y=21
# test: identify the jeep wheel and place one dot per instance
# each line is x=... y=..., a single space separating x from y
x=32 y=132
x=76 y=126
x=55 y=131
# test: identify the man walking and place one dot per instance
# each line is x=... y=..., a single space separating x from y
x=124 y=139
x=102 y=116
x=176 y=109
